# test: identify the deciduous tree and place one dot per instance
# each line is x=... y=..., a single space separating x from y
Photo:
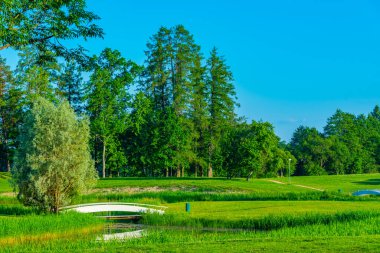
x=53 y=162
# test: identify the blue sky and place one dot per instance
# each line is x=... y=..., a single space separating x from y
x=294 y=61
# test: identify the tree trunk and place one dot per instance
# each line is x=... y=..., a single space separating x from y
x=209 y=173
x=178 y=171
x=183 y=171
x=249 y=175
x=104 y=159
x=7 y=156
x=5 y=136
x=167 y=172
x=196 y=170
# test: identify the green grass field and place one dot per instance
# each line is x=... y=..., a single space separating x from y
x=235 y=210
x=226 y=215
x=345 y=183
x=5 y=185
x=199 y=184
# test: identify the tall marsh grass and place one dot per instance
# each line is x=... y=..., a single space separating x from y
x=267 y=223
x=42 y=224
x=184 y=196
x=350 y=236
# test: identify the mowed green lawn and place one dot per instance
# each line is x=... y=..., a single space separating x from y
x=5 y=185
x=235 y=210
x=345 y=183
x=200 y=184
x=347 y=230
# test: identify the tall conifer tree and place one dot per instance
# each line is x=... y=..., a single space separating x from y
x=70 y=85
x=10 y=114
x=222 y=102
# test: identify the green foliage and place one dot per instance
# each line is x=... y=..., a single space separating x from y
x=10 y=115
x=254 y=150
x=349 y=145
x=172 y=58
x=45 y=24
x=107 y=103
x=70 y=85
x=35 y=78
x=221 y=105
x=181 y=120
x=53 y=162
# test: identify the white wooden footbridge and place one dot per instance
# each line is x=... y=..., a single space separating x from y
x=110 y=207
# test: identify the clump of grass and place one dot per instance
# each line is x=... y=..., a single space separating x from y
x=183 y=196
x=270 y=222
x=42 y=224
x=353 y=235
x=8 y=201
x=5 y=175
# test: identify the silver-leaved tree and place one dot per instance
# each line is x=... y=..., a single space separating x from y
x=53 y=162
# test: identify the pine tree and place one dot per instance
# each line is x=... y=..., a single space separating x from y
x=167 y=80
x=70 y=85
x=10 y=113
x=222 y=102
x=199 y=115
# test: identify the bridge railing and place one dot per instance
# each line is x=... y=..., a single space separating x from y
x=111 y=203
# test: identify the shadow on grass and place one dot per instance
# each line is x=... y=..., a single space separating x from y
x=369 y=182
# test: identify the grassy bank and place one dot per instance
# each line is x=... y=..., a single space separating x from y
x=28 y=225
x=263 y=223
x=352 y=235
x=5 y=185
x=226 y=215
x=344 y=183
x=236 y=210
x=163 y=197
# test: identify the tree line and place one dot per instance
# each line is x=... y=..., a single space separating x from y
x=172 y=116
x=349 y=144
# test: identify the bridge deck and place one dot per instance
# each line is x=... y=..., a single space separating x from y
x=116 y=207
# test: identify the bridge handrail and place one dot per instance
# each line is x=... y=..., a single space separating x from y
x=112 y=203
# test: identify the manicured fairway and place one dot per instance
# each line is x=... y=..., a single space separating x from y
x=235 y=210
x=200 y=184
x=5 y=185
x=261 y=215
x=345 y=183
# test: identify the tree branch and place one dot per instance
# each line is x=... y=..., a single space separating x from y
x=32 y=41
x=5 y=46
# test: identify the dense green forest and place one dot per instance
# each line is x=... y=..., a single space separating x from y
x=172 y=116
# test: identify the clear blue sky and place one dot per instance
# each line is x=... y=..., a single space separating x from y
x=294 y=61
